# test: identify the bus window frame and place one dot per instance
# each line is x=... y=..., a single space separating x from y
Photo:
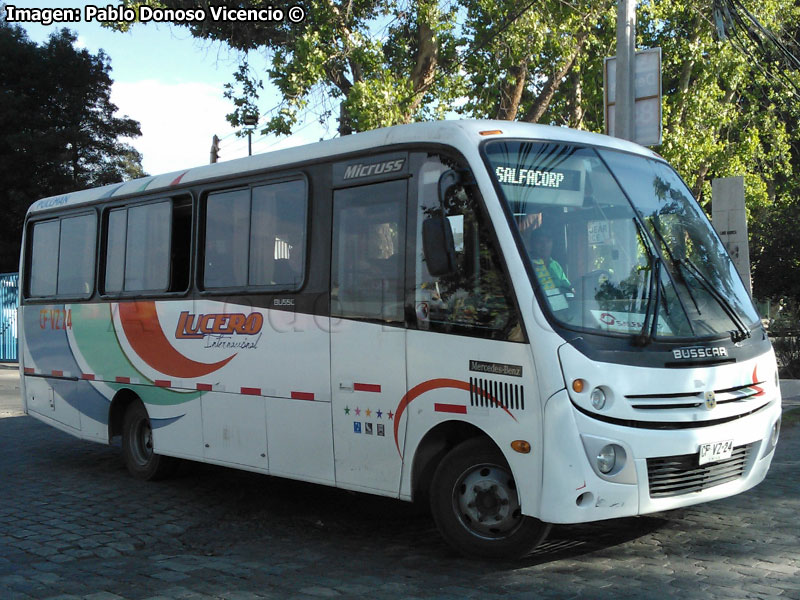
x=103 y=248
x=416 y=160
x=200 y=237
x=27 y=264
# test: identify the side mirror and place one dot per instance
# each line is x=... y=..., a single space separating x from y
x=447 y=181
x=438 y=246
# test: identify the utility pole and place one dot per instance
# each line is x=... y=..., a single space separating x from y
x=624 y=114
x=214 y=149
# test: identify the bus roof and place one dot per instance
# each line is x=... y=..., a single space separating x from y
x=460 y=134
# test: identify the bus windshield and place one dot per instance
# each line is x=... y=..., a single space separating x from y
x=617 y=244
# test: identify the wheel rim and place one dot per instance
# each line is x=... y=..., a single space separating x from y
x=486 y=502
x=142 y=442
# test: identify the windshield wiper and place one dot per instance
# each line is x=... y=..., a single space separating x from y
x=651 y=316
x=742 y=331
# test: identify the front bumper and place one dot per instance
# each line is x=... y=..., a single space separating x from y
x=574 y=490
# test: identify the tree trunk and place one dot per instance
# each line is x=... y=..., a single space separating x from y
x=345 y=123
x=686 y=73
x=550 y=87
x=697 y=189
x=424 y=71
x=511 y=94
x=576 y=101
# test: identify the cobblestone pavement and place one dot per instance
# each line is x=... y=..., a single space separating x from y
x=73 y=525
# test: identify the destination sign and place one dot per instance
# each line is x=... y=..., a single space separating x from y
x=554 y=179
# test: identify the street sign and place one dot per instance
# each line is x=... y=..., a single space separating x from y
x=647 y=88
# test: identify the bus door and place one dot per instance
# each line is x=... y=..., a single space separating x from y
x=368 y=336
x=467 y=356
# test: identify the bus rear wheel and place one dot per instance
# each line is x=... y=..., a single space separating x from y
x=137 y=446
x=476 y=507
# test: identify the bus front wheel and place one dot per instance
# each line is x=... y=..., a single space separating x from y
x=137 y=446
x=476 y=507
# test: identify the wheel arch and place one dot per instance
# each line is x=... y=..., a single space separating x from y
x=119 y=405
x=433 y=446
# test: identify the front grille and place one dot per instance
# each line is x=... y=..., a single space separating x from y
x=678 y=475
x=694 y=399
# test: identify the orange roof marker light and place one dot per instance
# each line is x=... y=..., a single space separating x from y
x=490 y=132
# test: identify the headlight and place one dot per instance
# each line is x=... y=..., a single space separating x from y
x=606 y=459
x=598 y=398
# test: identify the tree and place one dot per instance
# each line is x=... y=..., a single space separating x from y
x=58 y=132
x=532 y=57
x=383 y=63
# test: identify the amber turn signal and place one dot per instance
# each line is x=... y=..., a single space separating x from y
x=578 y=385
x=521 y=446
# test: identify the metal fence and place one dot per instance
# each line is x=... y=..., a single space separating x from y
x=9 y=283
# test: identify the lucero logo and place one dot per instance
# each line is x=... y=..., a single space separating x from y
x=707 y=352
x=192 y=327
x=359 y=170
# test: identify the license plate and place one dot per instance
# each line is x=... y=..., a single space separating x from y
x=715 y=451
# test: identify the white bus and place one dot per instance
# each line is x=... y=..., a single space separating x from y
x=522 y=325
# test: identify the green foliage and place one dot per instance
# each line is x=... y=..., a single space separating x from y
x=58 y=131
x=719 y=112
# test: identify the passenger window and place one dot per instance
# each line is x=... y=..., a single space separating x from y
x=148 y=247
x=368 y=252
x=475 y=299
x=62 y=257
x=115 y=253
x=76 y=255
x=44 y=259
x=227 y=221
x=256 y=237
x=277 y=235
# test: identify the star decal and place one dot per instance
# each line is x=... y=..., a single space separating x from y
x=358 y=411
x=379 y=413
x=347 y=410
x=391 y=415
x=368 y=412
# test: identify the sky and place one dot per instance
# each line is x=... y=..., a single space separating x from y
x=172 y=84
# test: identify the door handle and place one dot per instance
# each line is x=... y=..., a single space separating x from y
x=346 y=386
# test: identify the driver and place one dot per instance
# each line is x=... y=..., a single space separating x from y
x=549 y=273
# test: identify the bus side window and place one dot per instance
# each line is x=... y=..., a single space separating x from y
x=474 y=300
x=62 y=257
x=181 y=245
x=368 y=252
x=256 y=237
x=44 y=259
x=277 y=235
x=148 y=247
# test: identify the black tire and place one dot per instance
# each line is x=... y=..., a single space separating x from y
x=475 y=504
x=137 y=446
